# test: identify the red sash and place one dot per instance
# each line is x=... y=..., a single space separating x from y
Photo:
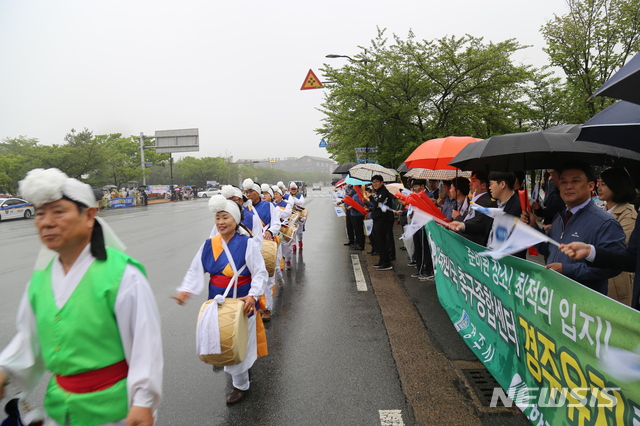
x=223 y=281
x=94 y=380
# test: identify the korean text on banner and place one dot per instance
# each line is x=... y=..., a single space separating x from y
x=559 y=350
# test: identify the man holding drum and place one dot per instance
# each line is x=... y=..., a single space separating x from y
x=298 y=201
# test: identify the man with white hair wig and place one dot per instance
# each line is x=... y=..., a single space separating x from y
x=88 y=315
x=298 y=201
x=233 y=261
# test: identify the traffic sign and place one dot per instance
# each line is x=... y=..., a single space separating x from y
x=311 y=82
x=323 y=144
x=148 y=164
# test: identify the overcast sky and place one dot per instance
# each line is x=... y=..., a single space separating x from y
x=232 y=69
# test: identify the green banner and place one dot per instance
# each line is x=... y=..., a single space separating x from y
x=552 y=344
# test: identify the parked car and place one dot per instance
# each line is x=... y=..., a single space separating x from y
x=16 y=208
x=208 y=193
x=317 y=187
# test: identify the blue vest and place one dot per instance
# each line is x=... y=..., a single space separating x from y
x=215 y=262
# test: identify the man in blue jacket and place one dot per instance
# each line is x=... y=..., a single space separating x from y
x=581 y=220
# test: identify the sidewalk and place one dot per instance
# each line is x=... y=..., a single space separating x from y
x=430 y=355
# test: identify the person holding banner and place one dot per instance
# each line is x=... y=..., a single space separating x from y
x=617 y=190
x=501 y=185
x=476 y=227
x=421 y=252
x=349 y=223
x=231 y=256
x=459 y=192
x=582 y=221
x=88 y=315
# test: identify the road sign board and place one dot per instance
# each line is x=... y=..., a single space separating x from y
x=323 y=144
x=311 y=82
x=181 y=140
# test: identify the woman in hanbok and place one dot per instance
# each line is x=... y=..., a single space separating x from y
x=229 y=256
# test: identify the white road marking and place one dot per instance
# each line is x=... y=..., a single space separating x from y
x=391 y=418
x=361 y=284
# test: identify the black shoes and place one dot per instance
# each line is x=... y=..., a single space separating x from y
x=355 y=247
x=374 y=253
x=348 y=244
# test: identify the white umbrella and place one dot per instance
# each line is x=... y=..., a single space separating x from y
x=367 y=171
x=436 y=174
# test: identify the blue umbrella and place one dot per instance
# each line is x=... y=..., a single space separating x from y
x=625 y=84
x=617 y=125
x=353 y=181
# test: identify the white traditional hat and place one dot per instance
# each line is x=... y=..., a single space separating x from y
x=280 y=184
x=275 y=189
x=218 y=203
x=229 y=191
x=42 y=186
x=248 y=184
x=293 y=185
x=266 y=188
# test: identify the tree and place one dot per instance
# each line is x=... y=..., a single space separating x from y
x=197 y=171
x=589 y=44
x=394 y=97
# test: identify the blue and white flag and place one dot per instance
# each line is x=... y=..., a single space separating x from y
x=509 y=235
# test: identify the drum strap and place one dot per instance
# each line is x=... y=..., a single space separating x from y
x=236 y=272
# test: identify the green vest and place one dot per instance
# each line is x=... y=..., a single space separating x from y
x=82 y=336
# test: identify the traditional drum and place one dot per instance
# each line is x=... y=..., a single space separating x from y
x=293 y=219
x=270 y=253
x=288 y=233
x=234 y=329
x=304 y=213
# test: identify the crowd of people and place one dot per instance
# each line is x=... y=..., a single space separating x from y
x=586 y=214
x=107 y=366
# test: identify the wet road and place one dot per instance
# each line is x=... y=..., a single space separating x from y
x=330 y=360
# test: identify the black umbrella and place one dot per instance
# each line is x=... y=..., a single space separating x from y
x=538 y=150
x=617 y=125
x=343 y=169
x=625 y=84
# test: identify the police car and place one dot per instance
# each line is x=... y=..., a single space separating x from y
x=15 y=208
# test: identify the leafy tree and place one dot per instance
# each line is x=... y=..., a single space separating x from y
x=589 y=43
x=394 y=97
x=197 y=171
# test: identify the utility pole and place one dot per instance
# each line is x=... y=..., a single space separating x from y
x=144 y=179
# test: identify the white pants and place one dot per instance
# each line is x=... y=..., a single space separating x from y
x=240 y=372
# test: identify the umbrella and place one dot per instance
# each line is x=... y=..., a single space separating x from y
x=625 y=84
x=435 y=154
x=537 y=150
x=366 y=171
x=403 y=168
x=339 y=183
x=617 y=125
x=394 y=188
x=436 y=174
x=353 y=181
x=343 y=169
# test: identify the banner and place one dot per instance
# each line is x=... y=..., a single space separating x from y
x=158 y=189
x=114 y=203
x=563 y=353
x=339 y=211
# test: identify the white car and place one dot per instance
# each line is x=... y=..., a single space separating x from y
x=208 y=193
x=15 y=208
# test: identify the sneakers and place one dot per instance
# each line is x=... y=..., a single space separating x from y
x=411 y=264
x=385 y=267
x=288 y=265
x=426 y=277
x=415 y=275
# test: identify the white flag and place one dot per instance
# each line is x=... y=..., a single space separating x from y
x=509 y=235
x=418 y=220
x=340 y=211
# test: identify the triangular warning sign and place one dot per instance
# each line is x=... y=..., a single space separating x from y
x=311 y=82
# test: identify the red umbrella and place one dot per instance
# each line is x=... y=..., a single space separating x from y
x=435 y=154
x=340 y=183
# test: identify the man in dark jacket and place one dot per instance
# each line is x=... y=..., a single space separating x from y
x=583 y=221
x=501 y=186
x=477 y=226
x=381 y=207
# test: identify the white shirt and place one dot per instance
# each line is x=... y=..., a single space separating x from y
x=194 y=280
x=138 y=322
